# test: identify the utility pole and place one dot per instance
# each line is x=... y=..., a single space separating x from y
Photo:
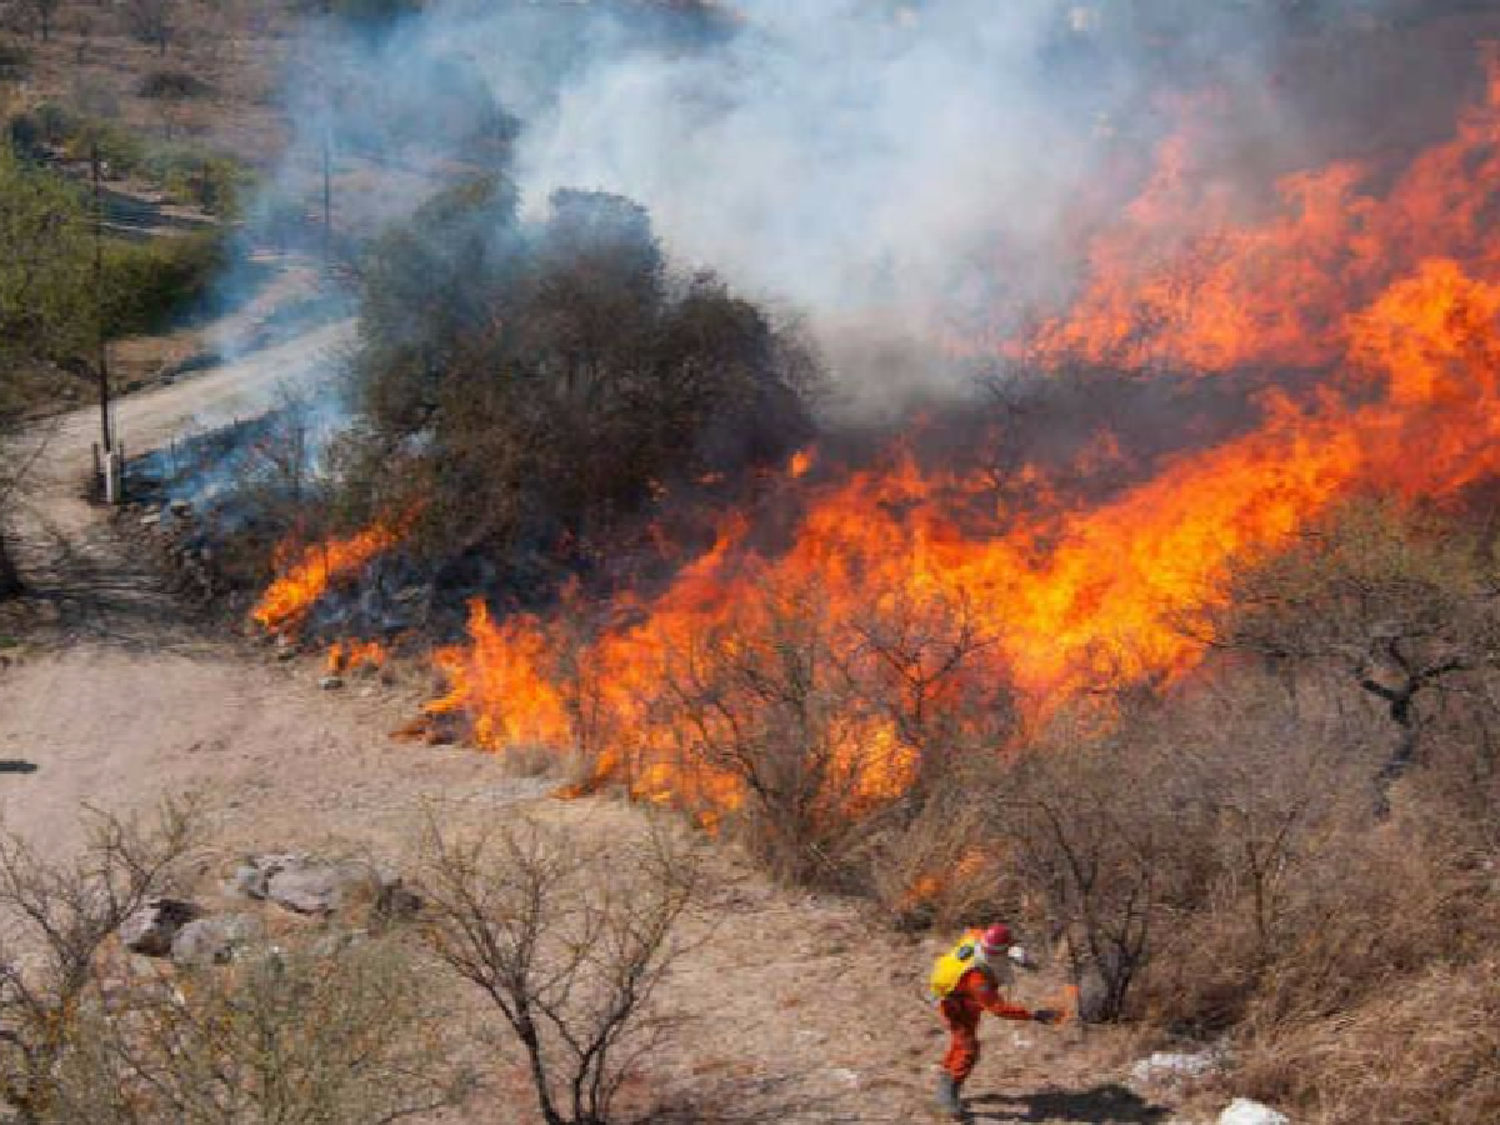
x=106 y=430
x=328 y=64
x=112 y=459
x=327 y=195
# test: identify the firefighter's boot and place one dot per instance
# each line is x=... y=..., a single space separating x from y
x=947 y=1096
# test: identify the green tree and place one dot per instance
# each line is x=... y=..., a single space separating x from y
x=47 y=298
x=537 y=385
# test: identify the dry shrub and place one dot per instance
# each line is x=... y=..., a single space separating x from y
x=1375 y=908
x=1398 y=601
x=1457 y=791
x=942 y=865
x=567 y=940
x=56 y=917
x=1273 y=797
x=1422 y=1051
x=327 y=1030
x=769 y=705
x=1102 y=832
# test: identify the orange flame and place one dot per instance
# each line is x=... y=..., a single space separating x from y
x=350 y=656
x=1399 y=292
x=289 y=599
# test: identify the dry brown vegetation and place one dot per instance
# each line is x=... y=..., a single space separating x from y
x=567 y=943
x=98 y=60
x=333 y=1022
x=1296 y=849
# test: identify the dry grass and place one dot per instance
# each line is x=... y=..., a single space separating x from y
x=1424 y=1051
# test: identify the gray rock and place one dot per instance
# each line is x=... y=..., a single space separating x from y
x=309 y=885
x=152 y=929
x=1243 y=1111
x=331 y=683
x=215 y=941
x=252 y=878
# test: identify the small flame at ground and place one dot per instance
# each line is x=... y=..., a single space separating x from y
x=288 y=600
x=351 y=656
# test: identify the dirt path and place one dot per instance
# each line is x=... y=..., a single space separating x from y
x=121 y=698
x=799 y=1009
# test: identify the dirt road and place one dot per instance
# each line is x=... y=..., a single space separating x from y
x=121 y=698
x=800 y=1008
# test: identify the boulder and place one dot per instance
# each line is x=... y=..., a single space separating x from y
x=1243 y=1111
x=309 y=885
x=215 y=941
x=152 y=929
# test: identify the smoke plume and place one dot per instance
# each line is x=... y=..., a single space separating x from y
x=907 y=175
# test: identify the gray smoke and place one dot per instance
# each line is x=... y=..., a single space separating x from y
x=895 y=171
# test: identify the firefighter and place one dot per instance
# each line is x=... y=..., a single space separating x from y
x=966 y=983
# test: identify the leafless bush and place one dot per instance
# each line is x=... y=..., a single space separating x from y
x=341 y=1033
x=769 y=703
x=1401 y=602
x=567 y=942
x=57 y=916
x=1457 y=789
x=1102 y=832
x=1273 y=791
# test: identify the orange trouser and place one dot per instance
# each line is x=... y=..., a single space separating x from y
x=963 y=1038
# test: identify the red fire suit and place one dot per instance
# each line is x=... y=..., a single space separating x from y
x=977 y=992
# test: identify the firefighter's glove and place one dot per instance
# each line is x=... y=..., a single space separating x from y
x=1047 y=1016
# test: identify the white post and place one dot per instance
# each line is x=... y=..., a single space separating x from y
x=114 y=477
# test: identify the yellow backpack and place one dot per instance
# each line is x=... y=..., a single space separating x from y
x=949 y=969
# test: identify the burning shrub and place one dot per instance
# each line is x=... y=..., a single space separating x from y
x=830 y=728
x=943 y=861
x=772 y=708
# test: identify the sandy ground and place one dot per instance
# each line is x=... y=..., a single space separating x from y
x=798 y=1008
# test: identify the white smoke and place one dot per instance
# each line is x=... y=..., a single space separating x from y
x=881 y=166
